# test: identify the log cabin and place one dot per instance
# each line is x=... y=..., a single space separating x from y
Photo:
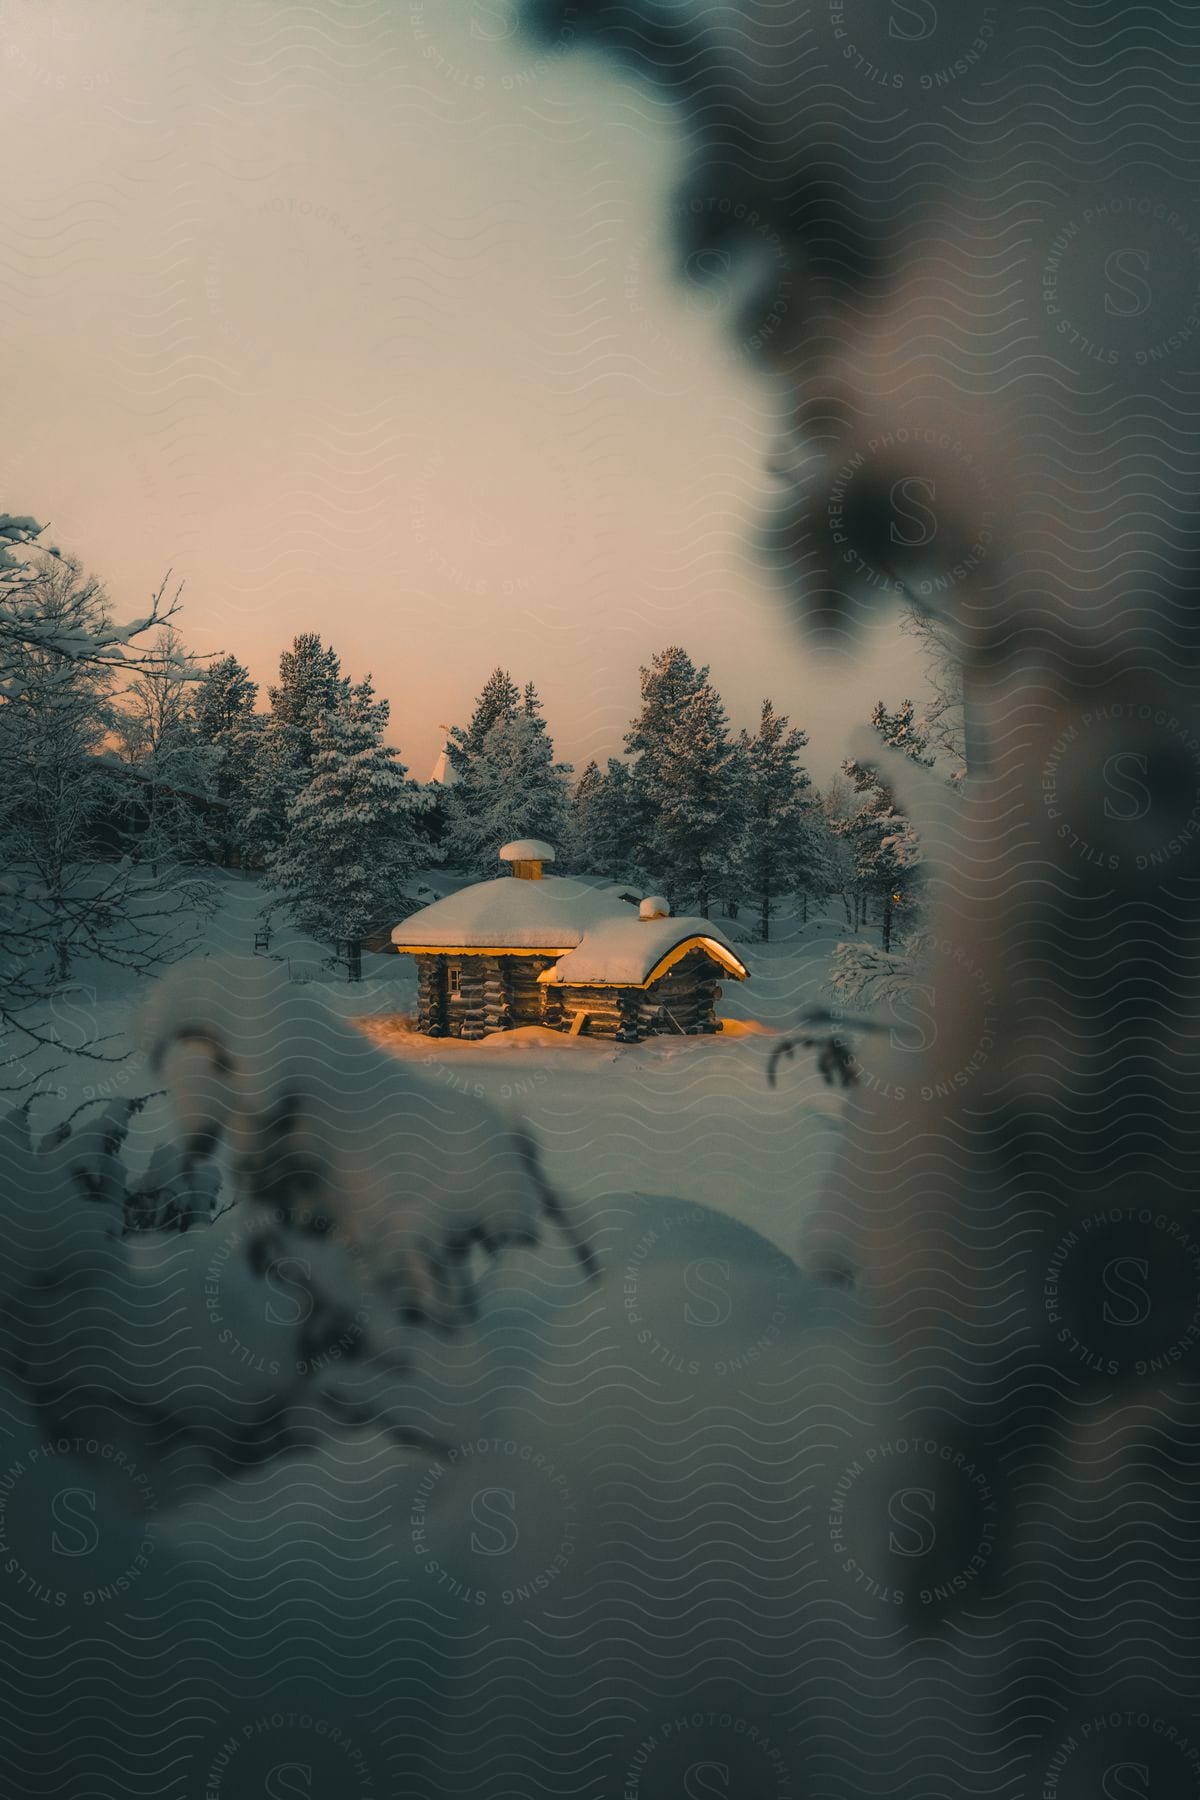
x=529 y=948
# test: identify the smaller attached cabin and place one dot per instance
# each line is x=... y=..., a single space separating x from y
x=535 y=949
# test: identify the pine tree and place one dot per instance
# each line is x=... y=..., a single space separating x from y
x=508 y=784
x=598 y=829
x=779 y=851
x=500 y=699
x=512 y=788
x=224 y=698
x=259 y=804
x=351 y=839
x=277 y=757
x=883 y=843
x=837 y=810
x=901 y=731
x=686 y=781
x=311 y=684
x=223 y=718
x=578 y=850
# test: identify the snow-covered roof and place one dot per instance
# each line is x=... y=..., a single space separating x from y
x=597 y=934
x=526 y=850
x=625 y=952
x=551 y=914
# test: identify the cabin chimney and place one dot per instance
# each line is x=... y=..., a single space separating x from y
x=654 y=907
x=525 y=857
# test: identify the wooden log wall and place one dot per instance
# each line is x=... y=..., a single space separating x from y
x=629 y=1006
x=431 y=995
x=470 y=1011
x=551 y=1002
x=497 y=993
x=527 y=999
x=684 y=1000
x=601 y=1004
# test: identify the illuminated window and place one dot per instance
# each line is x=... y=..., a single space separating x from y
x=454 y=980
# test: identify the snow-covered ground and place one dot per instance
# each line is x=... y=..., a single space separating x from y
x=580 y=1533
x=691 y=1117
x=694 y=1118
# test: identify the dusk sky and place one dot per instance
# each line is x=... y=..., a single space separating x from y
x=361 y=320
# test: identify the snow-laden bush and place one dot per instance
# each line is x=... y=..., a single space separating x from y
x=378 y=1421
x=867 y=975
x=354 y=1192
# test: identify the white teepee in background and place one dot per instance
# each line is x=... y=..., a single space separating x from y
x=443 y=769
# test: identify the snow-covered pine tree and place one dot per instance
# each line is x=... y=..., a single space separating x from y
x=465 y=805
x=351 y=841
x=310 y=685
x=598 y=824
x=687 y=783
x=780 y=851
x=499 y=699
x=823 y=874
x=279 y=756
x=883 y=843
x=902 y=730
x=259 y=802
x=223 y=698
x=508 y=784
x=837 y=809
x=880 y=842
x=222 y=717
x=512 y=788
x=578 y=849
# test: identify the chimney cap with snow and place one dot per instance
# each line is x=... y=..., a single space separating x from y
x=526 y=850
x=654 y=907
x=527 y=856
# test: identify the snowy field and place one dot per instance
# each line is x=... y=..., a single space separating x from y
x=692 y=1118
x=591 y=1495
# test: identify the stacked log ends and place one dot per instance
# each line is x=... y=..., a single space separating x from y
x=431 y=996
x=472 y=1006
x=629 y=1009
x=497 y=994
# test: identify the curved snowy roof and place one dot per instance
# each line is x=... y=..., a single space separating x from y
x=631 y=952
x=526 y=850
x=596 y=935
